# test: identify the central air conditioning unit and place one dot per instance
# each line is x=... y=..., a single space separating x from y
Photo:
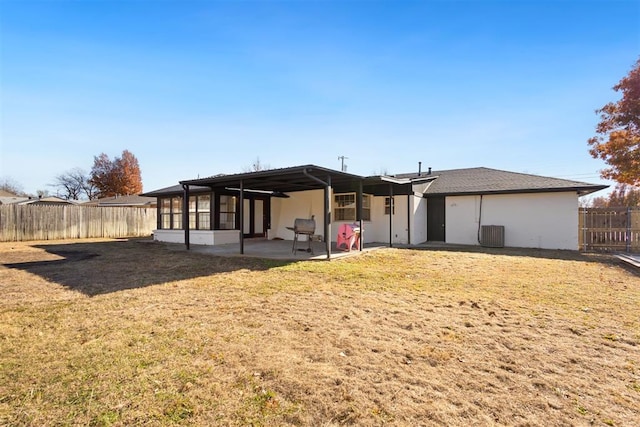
x=492 y=236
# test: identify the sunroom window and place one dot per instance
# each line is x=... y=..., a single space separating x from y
x=171 y=213
x=227 y=212
x=200 y=212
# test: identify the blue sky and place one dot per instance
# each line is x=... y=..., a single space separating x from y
x=196 y=88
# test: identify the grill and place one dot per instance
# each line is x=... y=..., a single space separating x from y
x=305 y=227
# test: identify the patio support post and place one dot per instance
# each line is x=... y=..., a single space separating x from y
x=327 y=217
x=409 y=198
x=360 y=196
x=390 y=215
x=327 y=209
x=158 y=214
x=241 y=217
x=185 y=214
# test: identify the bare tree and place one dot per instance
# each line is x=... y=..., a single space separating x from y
x=383 y=171
x=256 y=166
x=623 y=195
x=10 y=185
x=89 y=188
x=74 y=184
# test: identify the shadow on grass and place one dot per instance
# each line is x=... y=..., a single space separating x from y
x=96 y=268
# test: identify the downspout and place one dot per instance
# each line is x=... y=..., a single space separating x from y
x=327 y=209
x=185 y=214
x=480 y=219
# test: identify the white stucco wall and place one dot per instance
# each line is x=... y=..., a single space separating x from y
x=299 y=204
x=198 y=237
x=537 y=220
x=419 y=220
x=169 y=236
x=378 y=229
x=304 y=204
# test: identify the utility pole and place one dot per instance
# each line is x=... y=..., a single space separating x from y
x=343 y=167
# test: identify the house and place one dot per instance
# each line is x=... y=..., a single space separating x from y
x=31 y=200
x=9 y=198
x=450 y=206
x=133 y=200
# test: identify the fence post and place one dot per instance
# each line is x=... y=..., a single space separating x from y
x=584 y=229
x=628 y=230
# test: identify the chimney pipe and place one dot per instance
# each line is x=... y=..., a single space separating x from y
x=419 y=168
x=429 y=173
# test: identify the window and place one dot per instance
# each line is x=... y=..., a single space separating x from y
x=204 y=212
x=387 y=205
x=227 y=212
x=171 y=213
x=200 y=212
x=344 y=207
x=176 y=213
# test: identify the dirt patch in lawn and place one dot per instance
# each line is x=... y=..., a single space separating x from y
x=128 y=333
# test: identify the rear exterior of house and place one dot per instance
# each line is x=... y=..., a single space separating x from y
x=530 y=220
x=532 y=211
x=453 y=206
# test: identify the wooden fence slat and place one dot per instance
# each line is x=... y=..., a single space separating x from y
x=39 y=222
x=609 y=229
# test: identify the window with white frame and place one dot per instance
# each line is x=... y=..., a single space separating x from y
x=227 y=212
x=344 y=207
x=388 y=203
x=171 y=213
x=200 y=212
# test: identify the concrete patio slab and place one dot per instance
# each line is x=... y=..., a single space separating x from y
x=281 y=249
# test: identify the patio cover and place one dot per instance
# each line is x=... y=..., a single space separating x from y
x=301 y=178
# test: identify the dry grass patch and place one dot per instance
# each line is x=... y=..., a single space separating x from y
x=133 y=333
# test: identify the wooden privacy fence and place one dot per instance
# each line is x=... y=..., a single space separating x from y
x=609 y=229
x=33 y=222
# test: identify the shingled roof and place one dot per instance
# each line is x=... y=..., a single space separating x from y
x=493 y=181
x=471 y=181
x=118 y=201
x=175 y=190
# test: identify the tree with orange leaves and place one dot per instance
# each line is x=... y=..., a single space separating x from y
x=118 y=177
x=618 y=139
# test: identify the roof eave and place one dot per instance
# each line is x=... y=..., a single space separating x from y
x=582 y=191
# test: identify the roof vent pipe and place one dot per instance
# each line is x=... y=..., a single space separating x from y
x=429 y=173
x=419 y=168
